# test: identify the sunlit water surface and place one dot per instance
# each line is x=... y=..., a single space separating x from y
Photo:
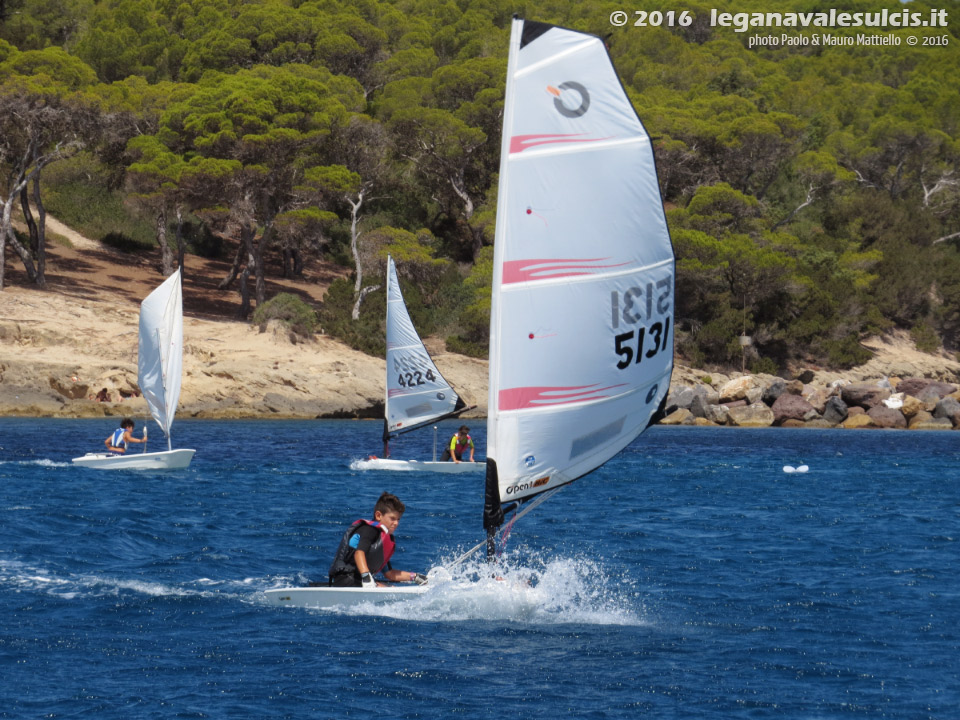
x=691 y=577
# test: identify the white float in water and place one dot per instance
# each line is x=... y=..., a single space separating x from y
x=791 y=469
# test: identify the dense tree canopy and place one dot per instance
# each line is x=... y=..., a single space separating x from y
x=813 y=191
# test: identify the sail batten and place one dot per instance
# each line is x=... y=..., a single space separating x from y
x=581 y=346
x=546 y=62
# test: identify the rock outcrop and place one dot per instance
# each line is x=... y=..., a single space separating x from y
x=762 y=401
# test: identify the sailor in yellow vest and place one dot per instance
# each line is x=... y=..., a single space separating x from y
x=458 y=445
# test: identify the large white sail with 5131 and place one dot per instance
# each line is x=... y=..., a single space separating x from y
x=581 y=346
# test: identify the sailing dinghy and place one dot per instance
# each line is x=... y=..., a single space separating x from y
x=417 y=394
x=581 y=350
x=159 y=371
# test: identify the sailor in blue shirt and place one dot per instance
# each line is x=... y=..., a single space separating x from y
x=120 y=438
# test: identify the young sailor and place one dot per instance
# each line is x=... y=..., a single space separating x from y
x=367 y=546
x=120 y=438
x=459 y=444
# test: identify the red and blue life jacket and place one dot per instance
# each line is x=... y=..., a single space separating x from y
x=377 y=556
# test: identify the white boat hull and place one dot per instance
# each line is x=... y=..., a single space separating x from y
x=166 y=460
x=415 y=466
x=325 y=597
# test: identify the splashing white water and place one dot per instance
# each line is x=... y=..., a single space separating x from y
x=534 y=590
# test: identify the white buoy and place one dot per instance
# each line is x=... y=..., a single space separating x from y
x=789 y=469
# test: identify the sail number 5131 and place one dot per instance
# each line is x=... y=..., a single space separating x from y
x=634 y=306
x=624 y=343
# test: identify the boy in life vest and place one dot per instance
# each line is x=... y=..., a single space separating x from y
x=366 y=547
x=120 y=438
x=459 y=444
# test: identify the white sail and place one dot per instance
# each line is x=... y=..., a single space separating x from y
x=581 y=345
x=160 y=359
x=417 y=394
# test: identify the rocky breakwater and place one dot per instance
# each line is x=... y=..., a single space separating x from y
x=764 y=401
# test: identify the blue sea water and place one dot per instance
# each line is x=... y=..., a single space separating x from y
x=689 y=578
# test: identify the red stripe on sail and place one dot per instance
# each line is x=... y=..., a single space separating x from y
x=532 y=397
x=515 y=271
x=519 y=143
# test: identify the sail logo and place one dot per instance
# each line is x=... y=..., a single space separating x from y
x=570 y=98
x=520 y=487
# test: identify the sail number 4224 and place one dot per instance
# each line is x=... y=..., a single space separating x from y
x=637 y=305
x=414 y=378
x=413 y=369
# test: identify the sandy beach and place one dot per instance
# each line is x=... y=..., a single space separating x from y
x=60 y=346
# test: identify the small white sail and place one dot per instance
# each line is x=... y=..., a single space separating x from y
x=160 y=359
x=159 y=368
x=581 y=344
x=417 y=394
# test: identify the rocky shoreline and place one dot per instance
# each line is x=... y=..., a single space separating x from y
x=218 y=388
x=766 y=401
x=60 y=351
x=59 y=354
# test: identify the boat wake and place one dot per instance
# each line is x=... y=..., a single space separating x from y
x=40 y=463
x=17 y=576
